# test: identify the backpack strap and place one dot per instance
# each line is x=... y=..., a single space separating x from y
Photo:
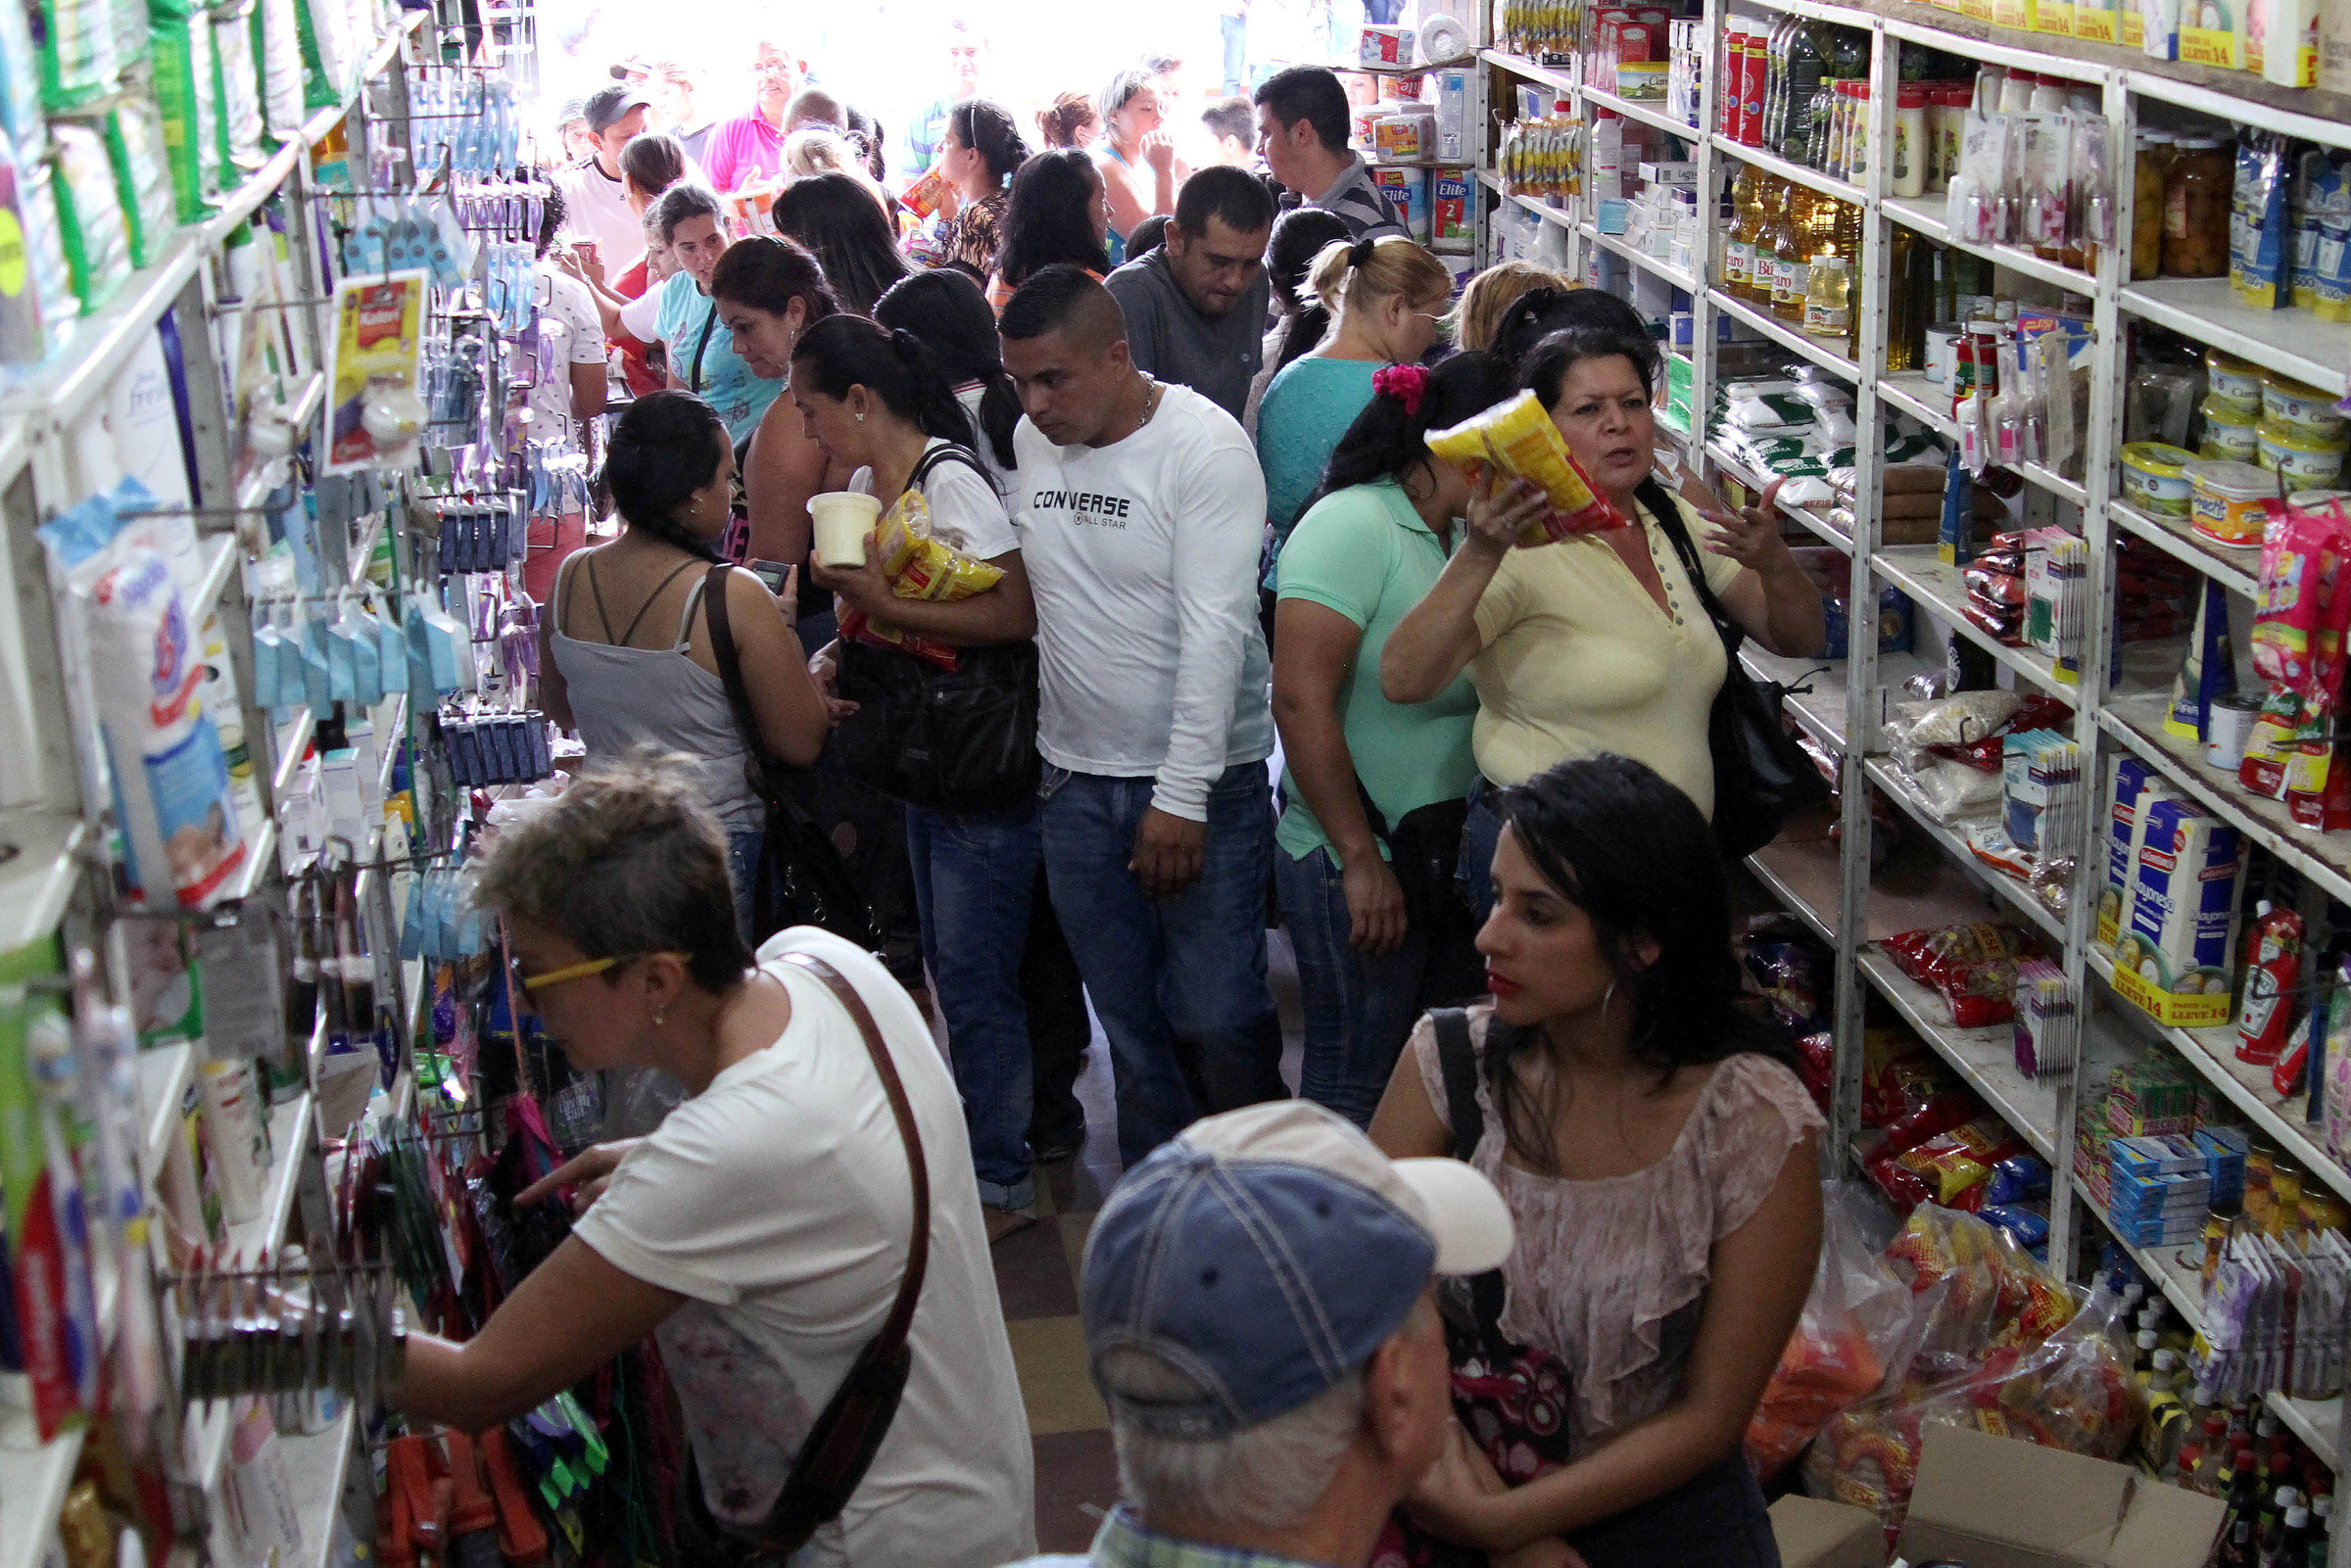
x=945 y=452
x=1457 y=1055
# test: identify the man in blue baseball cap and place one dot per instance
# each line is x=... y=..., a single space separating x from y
x=1261 y=1319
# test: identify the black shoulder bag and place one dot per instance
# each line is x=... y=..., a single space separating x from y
x=950 y=740
x=841 y=1445
x=1762 y=777
x=801 y=878
x=693 y=377
x=1424 y=851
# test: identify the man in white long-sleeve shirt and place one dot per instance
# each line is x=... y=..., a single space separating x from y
x=1141 y=511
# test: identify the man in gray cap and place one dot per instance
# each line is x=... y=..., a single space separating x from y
x=1261 y=1320
x=594 y=195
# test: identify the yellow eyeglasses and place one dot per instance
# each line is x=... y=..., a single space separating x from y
x=580 y=971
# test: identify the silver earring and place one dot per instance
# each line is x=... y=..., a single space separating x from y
x=861 y=419
x=660 y=1017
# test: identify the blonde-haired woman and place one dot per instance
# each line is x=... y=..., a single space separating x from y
x=1387 y=299
x=1488 y=297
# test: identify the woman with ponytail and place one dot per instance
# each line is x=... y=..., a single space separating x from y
x=1374 y=789
x=1386 y=298
x=841 y=222
x=980 y=154
x=879 y=401
x=625 y=653
x=949 y=314
x=768 y=293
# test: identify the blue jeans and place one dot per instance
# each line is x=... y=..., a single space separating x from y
x=973 y=877
x=1358 y=1008
x=1479 y=834
x=742 y=863
x=1178 y=982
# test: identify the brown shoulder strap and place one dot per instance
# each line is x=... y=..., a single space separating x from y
x=917 y=1251
x=723 y=654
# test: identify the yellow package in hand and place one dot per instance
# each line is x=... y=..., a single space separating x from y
x=922 y=567
x=1518 y=438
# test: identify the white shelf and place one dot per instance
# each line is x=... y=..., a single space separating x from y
x=1803 y=875
x=316 y=1466
x=1773 y=164
x=1616 y=244
x=1562 y=216
x=1909 y=391
x=1560 y=78
x=1936 y=587
x=1839 y=16
x=1813 y=521
x=1650 y=114
x=2323 y=858
x=1925 y=214
x=1816 y=349
x=36 y=881
x=2234 y=567
x=289 y=1140
x=34 y=1476
x=1402 y=71
x=1820 y=714
x=163 y=1077
x=2025 y=58
x=2292 y=342
x=223 y=562
x=293 y=740
x=2018 y=896
x=2178 y=1271
x=2055 y=483
x=1985 y=1057
x=2211 y=1055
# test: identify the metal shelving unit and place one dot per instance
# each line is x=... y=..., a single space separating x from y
x=56 y=881
x=1829 y=885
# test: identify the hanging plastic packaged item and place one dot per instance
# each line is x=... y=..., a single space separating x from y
x=132 y=46
x=22 y=344
x=186 y=97
x=1518 y=438
x=236 y=74
x=20 y=80
x=278 y=48
x=89 y=216
x=77 y=53
x=326 y=53
x=134 y=145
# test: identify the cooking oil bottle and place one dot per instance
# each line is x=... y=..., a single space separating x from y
x=1792 y=255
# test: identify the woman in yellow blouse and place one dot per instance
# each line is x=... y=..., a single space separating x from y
x=1596 y=643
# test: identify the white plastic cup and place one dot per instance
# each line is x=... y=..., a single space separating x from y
x=843 y=520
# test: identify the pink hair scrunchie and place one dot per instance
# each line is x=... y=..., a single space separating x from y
x=1405 y=383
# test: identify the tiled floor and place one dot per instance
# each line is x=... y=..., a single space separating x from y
x=1036 y=1275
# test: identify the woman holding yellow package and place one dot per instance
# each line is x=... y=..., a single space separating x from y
x=941 y=598
x=1590 y=636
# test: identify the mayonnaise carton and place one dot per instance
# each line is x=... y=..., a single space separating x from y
x=2182 y=914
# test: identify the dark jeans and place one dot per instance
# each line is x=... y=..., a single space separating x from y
x=1359 y=1008
x=1059 y=1029
x=1716 y=1519
x=973 y=876
x=1178 y=982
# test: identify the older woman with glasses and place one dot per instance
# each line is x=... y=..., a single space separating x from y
x=761 y=1233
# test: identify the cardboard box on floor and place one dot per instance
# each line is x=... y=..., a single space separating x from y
x=2002 y=1502
x=1816 y=1534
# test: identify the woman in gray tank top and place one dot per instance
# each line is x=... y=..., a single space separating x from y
x=627 y=656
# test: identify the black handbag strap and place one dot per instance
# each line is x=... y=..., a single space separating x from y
x=943 y=452
x=1456 y=1055
x=729 y=660
x=693 y=377
x=1660 y=505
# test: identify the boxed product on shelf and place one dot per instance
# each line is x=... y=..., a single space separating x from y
x=2151 y=1097
x=2173 y=957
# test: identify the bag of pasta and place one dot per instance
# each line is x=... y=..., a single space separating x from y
x=922 y=566
x=1518 y=438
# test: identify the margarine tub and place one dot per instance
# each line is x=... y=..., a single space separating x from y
x=2227 y=500
x=2232 y=431
x=2303 y=460
x=2305 y=411
x=2232 y=380
x=2155 y=478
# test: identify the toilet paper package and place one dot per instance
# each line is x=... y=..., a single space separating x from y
x=1406 y=189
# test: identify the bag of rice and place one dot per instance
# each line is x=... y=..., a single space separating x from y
x=187 y=97
x=134 y=144
x=89 y=216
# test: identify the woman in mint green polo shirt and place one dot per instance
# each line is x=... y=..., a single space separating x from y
x=1359 y=557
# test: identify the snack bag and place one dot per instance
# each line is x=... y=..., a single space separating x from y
x=1859 y=1329
x=1518 y=438
x=1954 y=1166
x=920 y=566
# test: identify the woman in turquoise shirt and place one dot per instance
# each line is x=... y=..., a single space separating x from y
x=1363 y=556
x=701 y=351
x=1385 y=298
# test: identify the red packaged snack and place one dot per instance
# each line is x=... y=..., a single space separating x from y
x=1972 y=967
x=1956 y=1164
